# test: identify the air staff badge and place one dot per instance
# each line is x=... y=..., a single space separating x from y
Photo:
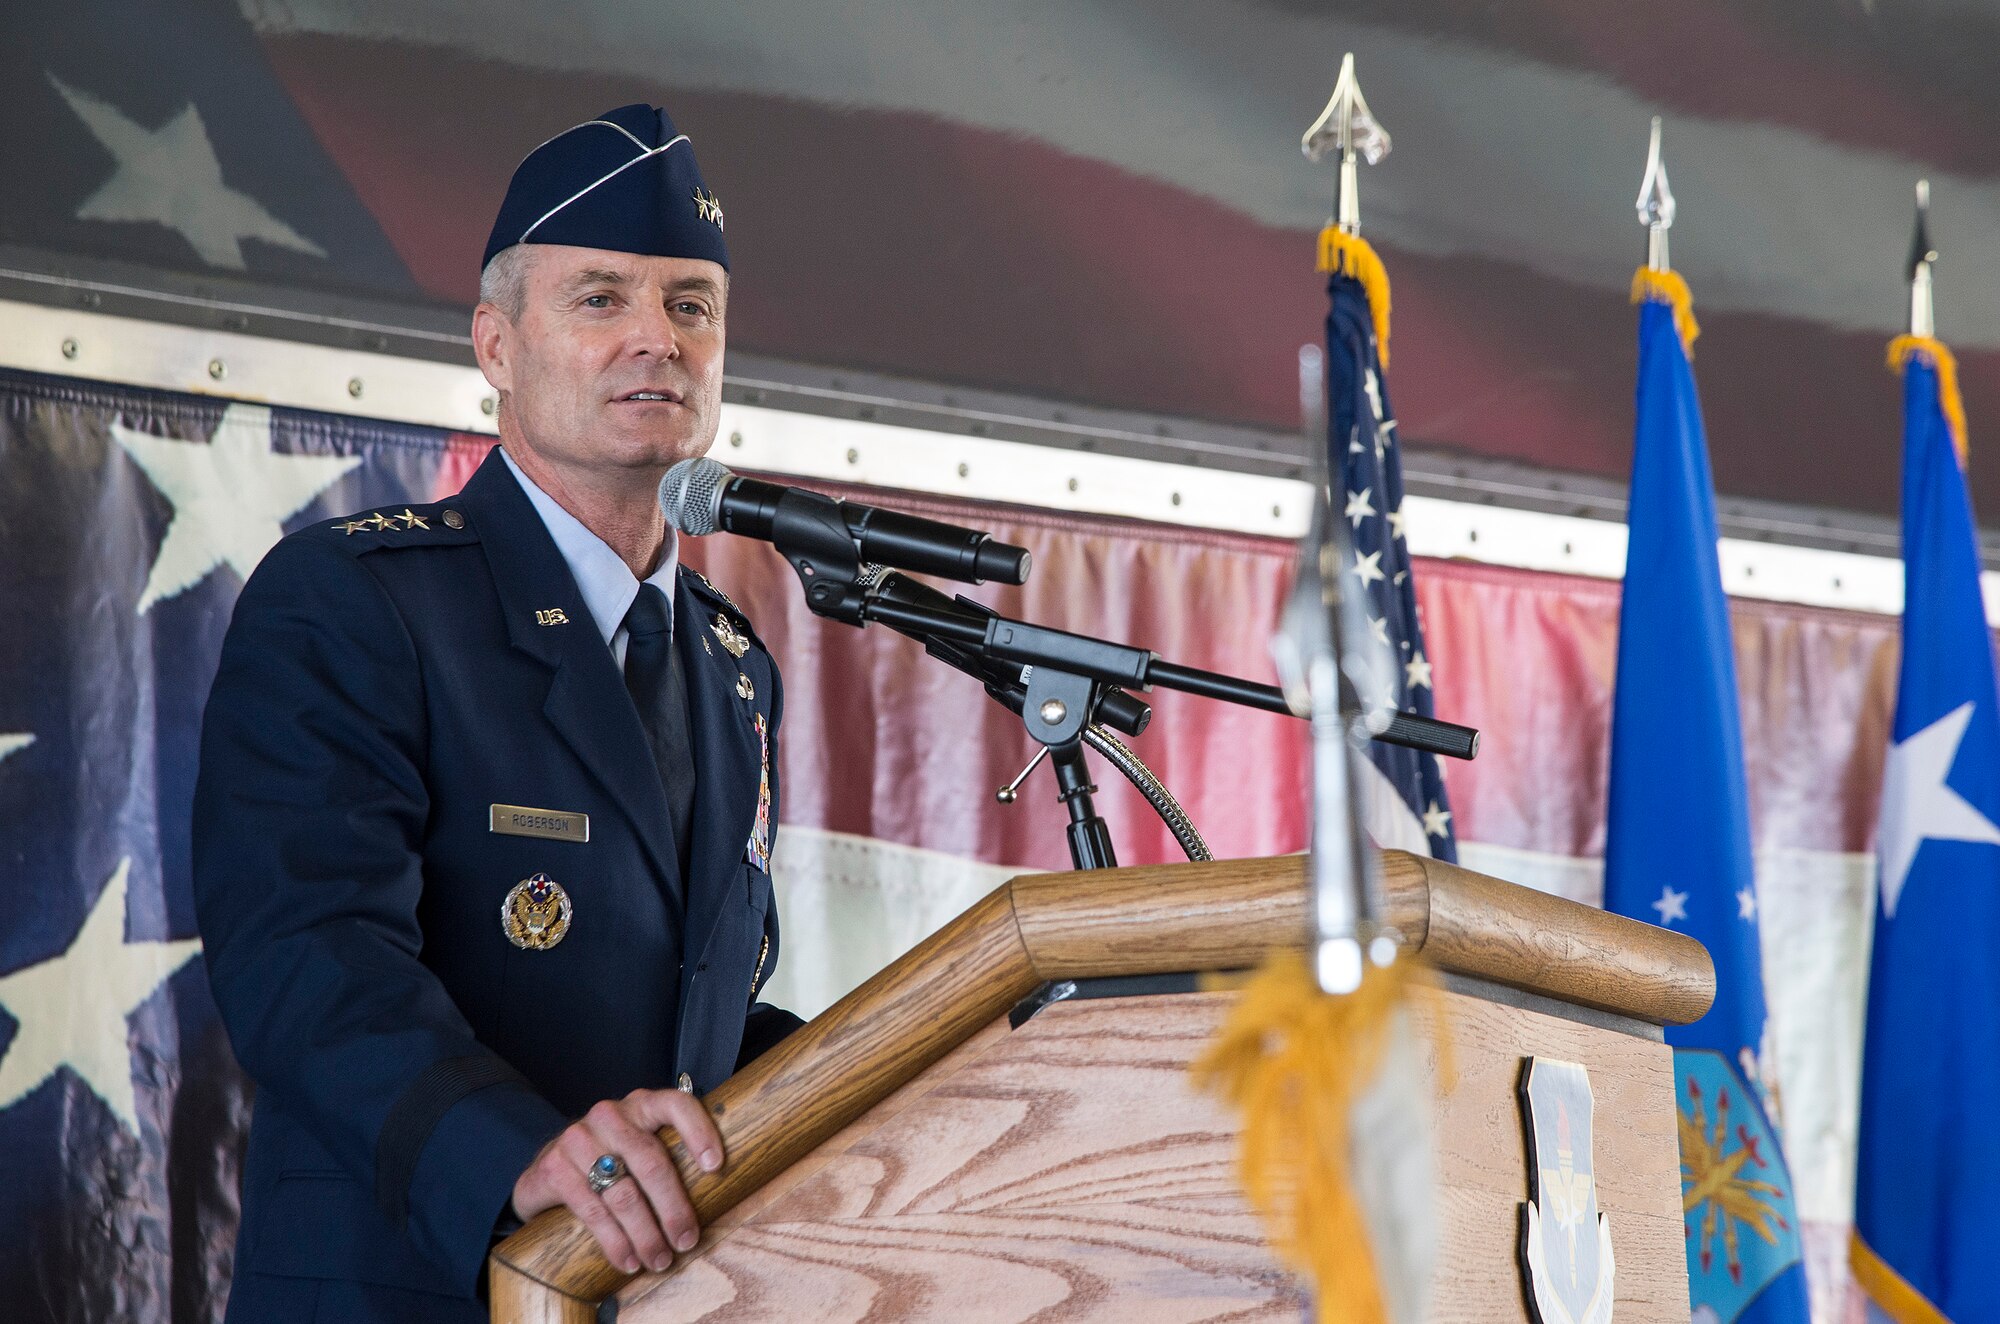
x=536 y=913
x=758 y=852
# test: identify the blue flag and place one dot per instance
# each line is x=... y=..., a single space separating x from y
x=1927 y=1200
x=1677 y=852
x=1406 y=806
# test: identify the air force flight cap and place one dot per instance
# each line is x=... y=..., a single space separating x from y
x=626 y=181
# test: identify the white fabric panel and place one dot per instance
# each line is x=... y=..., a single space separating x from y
x=848 y=905
x=1575 y=879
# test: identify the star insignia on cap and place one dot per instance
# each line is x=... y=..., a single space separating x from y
x=709 y=207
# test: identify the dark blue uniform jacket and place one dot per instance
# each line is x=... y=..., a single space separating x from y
x=384 y=683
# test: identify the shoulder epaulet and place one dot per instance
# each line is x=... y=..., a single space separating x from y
x=431 y=524
x=717 y=594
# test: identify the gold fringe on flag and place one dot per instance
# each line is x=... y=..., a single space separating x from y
x=1349 y=255
x=1903 y=348
x=1292 y=1060
x=1887 y=1289
x=1668 y=287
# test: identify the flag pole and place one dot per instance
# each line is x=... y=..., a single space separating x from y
x=1657 y=279
x=1345 y=1198
x=1312 y=649
x=1921 y=338
x=1346 y=903
x=1922 y=322
x=1656 y=204
x=1347 y=127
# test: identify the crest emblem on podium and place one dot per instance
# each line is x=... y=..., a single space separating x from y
x=1565 y=1240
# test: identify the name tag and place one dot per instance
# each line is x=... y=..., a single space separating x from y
x=554 y=824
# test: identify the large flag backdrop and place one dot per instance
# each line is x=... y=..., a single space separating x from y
x=128 y=517
x=1015 y=195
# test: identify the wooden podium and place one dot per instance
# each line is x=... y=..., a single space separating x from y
x=916 y=1153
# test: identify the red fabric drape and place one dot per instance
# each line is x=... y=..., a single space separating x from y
x=883 y=742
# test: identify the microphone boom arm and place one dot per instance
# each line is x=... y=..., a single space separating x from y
x=1065 y=680
x=1038 y=646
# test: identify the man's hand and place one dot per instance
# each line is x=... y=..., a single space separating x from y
x=641 y=1219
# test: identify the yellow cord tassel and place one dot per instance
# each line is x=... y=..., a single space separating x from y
x=1668 y=287
x=1292 y=1059
x=1903 y=348
x=1350 y=255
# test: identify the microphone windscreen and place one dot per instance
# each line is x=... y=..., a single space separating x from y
x=691 y=495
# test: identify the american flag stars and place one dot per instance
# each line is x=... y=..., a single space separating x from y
x=1408 y=800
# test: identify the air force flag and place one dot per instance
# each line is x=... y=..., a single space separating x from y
x=1927 y=1206
x=1677 y=849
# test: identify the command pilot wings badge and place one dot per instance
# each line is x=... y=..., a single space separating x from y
x=734 y=641
x=1565 y=1241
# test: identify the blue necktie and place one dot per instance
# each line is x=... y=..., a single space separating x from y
x=657 y=682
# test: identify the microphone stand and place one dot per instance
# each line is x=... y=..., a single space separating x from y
x=1064 y=676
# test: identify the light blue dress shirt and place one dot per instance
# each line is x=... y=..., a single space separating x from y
x=606 y=582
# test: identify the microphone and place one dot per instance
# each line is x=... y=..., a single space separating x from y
x=701 y=495
x=1006 y=680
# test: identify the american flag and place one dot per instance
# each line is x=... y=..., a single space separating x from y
x=128 y=520
x=1408 y=807
x=988 y=200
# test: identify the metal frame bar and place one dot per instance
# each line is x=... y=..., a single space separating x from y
x=875 y=431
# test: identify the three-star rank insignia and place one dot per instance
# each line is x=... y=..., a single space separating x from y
x=709 y=209
x=381 y=523
x=733 y=640
x=536 y=913
x=1565 y=1240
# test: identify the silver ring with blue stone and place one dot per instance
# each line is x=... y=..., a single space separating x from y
x=603 y=1174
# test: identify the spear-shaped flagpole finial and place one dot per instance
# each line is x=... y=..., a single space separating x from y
x=1921 y=256
x=1656 y=204
x=1348 y=126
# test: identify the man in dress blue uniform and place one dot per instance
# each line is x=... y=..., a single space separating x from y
x=482 y=832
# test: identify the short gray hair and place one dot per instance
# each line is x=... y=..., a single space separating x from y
x=504 y=283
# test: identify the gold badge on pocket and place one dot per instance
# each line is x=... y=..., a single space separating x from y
x=536 y=913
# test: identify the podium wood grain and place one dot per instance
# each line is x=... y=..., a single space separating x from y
x=1066 y=1171
x=1213 y=916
